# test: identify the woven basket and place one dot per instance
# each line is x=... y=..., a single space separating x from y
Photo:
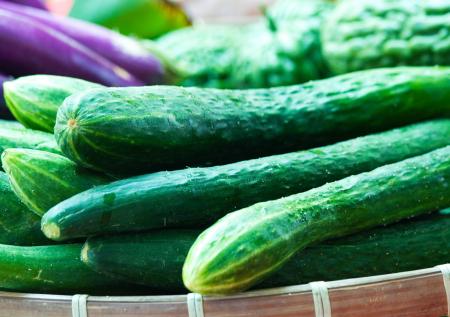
x=421 y=293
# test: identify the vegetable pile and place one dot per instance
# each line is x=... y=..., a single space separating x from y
x=167 y=189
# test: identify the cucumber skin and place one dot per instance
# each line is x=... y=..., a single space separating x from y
x=246 y=246
x=362 y=34
x=197 y=197
x=54 y=269
x=133 y=130
x=19 y=226
x=34 y=100
x=155 y=259
x=14 y=136
x=41 y=179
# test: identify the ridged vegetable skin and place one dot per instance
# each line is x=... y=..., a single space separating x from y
x=122 y=51
x=40 y=49
x=247 y=246
x=14 y=135
x=281 y=49
x=155 y=259
x=34 y=100
x=42 y=179
x=138 y=129
x=361 y=34
x=19 y=225
x=196 y=197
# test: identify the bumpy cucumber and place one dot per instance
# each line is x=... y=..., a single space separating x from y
x=42 y=179
x=196 y=197
x=246 y=246
x=363 y=34
x=14 y=136
x=131 y=130
x=282 y=49
x=155 y=259
x=54 y=269
x=18 y=224
x=34 y=100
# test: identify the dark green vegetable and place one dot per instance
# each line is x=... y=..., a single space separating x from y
x=155 y=259
x=54 y=269
x=246 y=246
x=42 y=179
x=14 y=135
x=196 y=197
x=34 y=100
x=362 y=34
x=138 y=129
x=18 y=225
x=282 y=49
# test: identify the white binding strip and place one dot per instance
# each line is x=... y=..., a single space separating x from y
x=79 y=305
x=195 y=305
x=445 y=269
x=322 y=305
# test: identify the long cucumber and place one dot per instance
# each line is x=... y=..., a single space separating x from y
x=197 y=197
x=246 y=246
x=18 y=224
x=56 y=268
x=42 y=179
x=155 y=259
x=134 y=130
x=34 y=100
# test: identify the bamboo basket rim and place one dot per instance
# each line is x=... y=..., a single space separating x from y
x=303 y=288
x=413 y=293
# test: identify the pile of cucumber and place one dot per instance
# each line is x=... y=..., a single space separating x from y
x=169 y=189
x=166 y=189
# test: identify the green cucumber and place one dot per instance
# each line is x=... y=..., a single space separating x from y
x=13 y=136
x=246 y=246
x=34 y=100
x=155 y=259
x=10 y=124
x=42 y=179
x=53 y=269
x=18 y=225
x=362 y=34
x=197 y=197
x=138 y=129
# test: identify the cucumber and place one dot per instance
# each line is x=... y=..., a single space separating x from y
x=10 y=124
x=362 y=34
x=34 y=100
x=197 y=197
x=138 y=129
x=15 y=136
x=246 y=246
x=42 y=179
x=18 y=225
x=53 y=269
x=281 y=49
x=155 y=259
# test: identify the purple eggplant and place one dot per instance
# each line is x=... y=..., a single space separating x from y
x=4 y=111
x=28 y=47
x=38 y=4
x=121 y=50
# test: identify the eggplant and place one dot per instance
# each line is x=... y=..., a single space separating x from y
x=4 y=111
x=38 y=4
x=119 y=49
x=28 y=47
